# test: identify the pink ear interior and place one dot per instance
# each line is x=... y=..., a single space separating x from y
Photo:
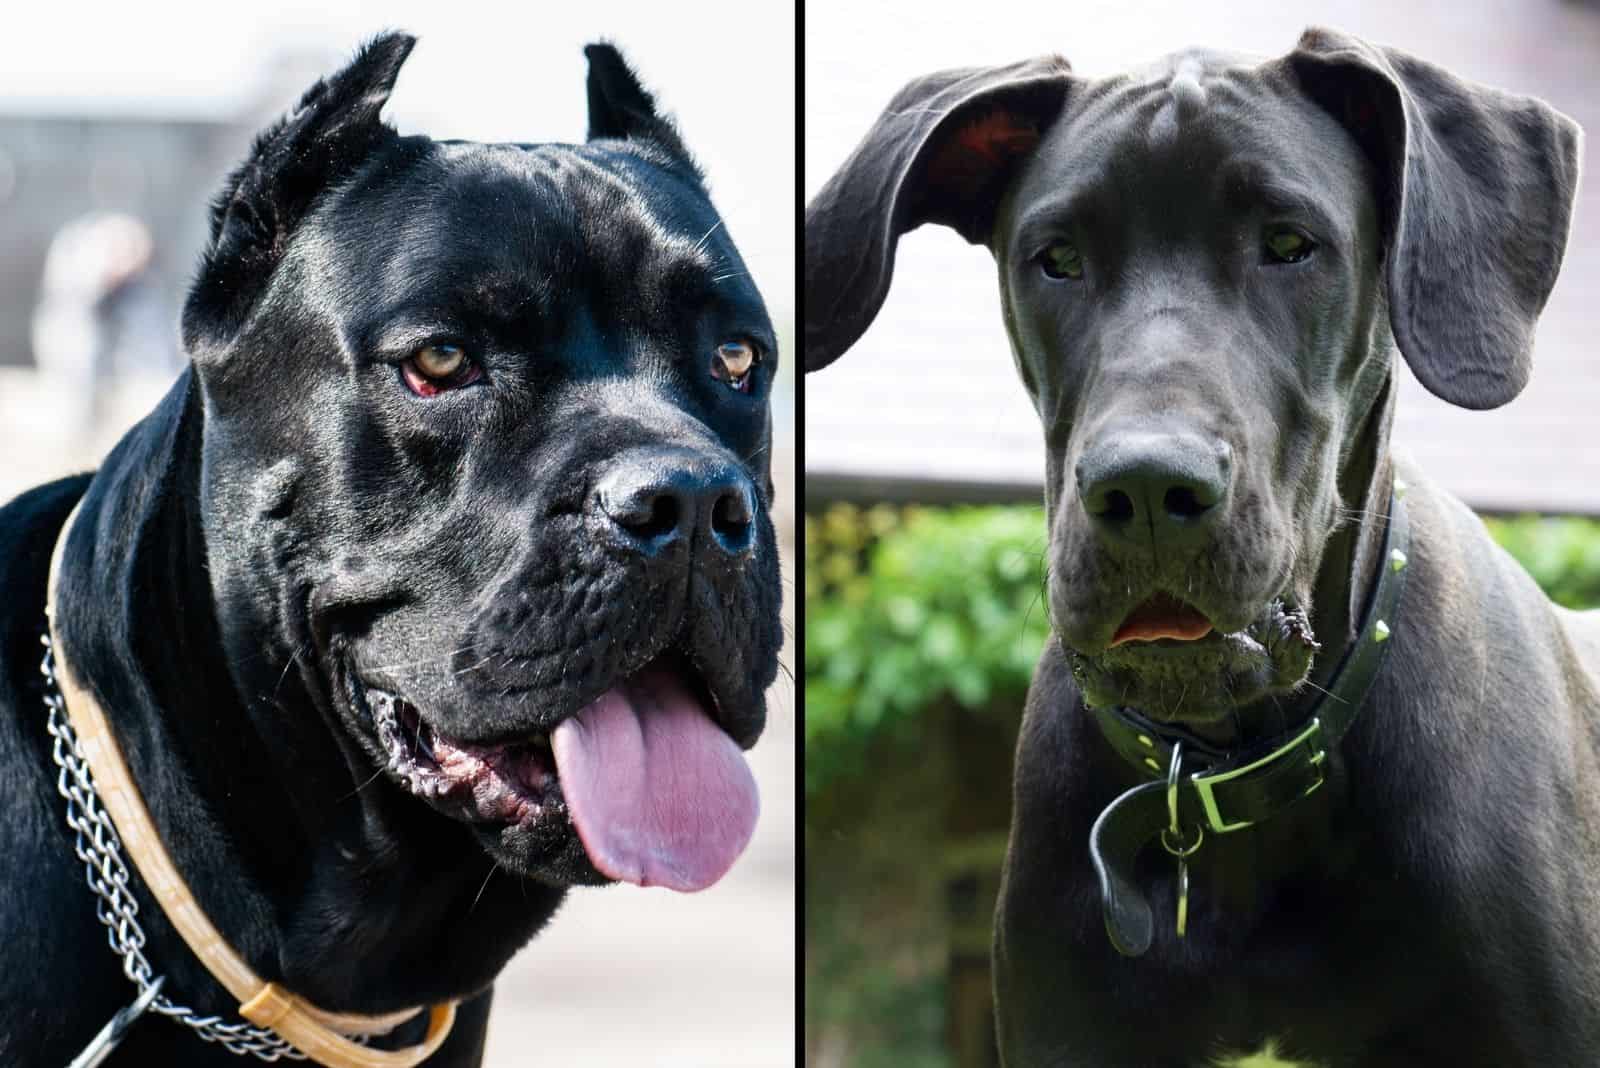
x=1362 y=114
x=982 y=144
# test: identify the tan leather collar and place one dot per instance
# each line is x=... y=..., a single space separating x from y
x=317 y=1033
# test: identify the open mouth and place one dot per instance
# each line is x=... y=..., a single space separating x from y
x=515 y=782
x=1167 y=659
x=658 y=793
x=1162 y=616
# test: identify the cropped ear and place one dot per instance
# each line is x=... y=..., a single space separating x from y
x=942 y=152
x=621 y=108
x=333 y=129
x=1475 y=191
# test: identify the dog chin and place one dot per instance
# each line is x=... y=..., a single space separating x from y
x=508 y=795
x=1201 y=681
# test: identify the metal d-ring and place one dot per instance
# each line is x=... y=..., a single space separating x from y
x=1173 y=832
x=1181 y=850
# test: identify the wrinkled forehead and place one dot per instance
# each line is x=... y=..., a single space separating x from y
x=1196 y=128
x=509 y=228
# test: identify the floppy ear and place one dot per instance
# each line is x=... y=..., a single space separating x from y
x=942 y=152
x=619 y=107
x=1475 y=191
x=322 y=141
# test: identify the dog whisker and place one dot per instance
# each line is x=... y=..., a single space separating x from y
x=493 y=867
x=369 y=781
x=293 y=659
x=1326 y=692
x=700 y=244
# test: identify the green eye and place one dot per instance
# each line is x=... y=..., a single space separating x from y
x=1061 y=260
x=1287 y=245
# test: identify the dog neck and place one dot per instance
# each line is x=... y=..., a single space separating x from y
x=310 y=869
x=1353 y=556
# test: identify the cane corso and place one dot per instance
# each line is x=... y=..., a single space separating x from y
x=443 y=580
x=1310 y=770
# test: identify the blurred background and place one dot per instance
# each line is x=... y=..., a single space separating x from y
x=118 y=122
x=924 y=459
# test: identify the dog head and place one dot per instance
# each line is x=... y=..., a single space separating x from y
x=487 y=435
x=1205 y=269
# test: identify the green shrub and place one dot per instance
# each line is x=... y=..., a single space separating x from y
x=1561 y=553
x=908 y=608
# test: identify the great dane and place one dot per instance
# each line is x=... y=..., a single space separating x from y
x=1309 y=769
x=443 y=580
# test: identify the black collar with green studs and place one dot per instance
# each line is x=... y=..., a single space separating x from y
x=1199 y=789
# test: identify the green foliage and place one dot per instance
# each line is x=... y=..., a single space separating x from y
x=1561 y=553
x=887 y=1017
x=909 y=608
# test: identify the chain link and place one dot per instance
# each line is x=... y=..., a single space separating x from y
x=100 y=849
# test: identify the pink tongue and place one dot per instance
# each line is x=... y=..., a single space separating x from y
x=660 y=795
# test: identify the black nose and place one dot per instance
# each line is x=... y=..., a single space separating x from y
x=1166 y=487
x=657 y=498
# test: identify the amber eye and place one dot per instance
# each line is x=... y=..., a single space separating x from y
x=1285 y=244
x=732 y=363
x=435 y=368
x=440 y=361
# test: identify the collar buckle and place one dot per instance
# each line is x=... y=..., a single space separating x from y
x=1260 y=788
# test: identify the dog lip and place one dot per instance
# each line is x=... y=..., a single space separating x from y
x=723 y=697
x=699 y=680
x=1162 y=616
x=513 y=782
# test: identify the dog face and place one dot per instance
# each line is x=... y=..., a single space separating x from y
x=1189 y=263
x=487 y=467
x=1205 y=270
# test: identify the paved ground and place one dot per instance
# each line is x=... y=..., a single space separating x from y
x=624 y=976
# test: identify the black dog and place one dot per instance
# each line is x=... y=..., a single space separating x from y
x=451 y=551
x=1206 y=268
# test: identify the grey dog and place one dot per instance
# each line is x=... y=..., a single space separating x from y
x=1206 y=269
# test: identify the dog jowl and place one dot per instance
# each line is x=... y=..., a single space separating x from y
x=445 y=578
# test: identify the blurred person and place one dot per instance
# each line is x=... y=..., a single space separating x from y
x=100 y=314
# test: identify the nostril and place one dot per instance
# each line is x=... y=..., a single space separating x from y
x=1116 y=507
x=731 y=520
x=655 y=517
x=1181 y=502
x=649 y=514
x=731 y=515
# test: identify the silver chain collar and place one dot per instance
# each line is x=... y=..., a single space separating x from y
x=100 y=849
